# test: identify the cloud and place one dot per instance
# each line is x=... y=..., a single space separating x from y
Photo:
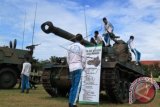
x=143 y=4
x=60 y=14
x=65 y=19
x=137 y=17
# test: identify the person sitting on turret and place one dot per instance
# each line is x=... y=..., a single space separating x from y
x=134 y=50
x=97 y=39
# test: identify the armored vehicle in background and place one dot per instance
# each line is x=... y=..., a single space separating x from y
x=11 y=60
x=117 y=70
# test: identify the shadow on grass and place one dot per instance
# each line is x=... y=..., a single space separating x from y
x=54 y=98
x=104 y=99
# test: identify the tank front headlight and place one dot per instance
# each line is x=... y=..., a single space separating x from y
x=106 y=59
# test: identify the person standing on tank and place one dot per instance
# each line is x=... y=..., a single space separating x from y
x=76 y=60
x=134 y=50
x=25 y=76
x=108 y=27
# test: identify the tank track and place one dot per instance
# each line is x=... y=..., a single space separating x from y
x=47 y=84
x=115 y=81
x=115 y=87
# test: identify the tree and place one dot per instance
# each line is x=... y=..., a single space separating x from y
x=53 y=59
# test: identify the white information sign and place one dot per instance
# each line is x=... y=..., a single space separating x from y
x=89 y=93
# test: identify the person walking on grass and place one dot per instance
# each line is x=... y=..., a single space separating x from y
x=76 y=60
x=25 y=76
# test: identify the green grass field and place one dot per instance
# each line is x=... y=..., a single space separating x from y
x=39 y=98
x=157 y=79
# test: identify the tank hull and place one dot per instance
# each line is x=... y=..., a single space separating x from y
x=114 y=75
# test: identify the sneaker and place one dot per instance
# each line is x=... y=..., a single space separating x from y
x=139 y=64
x=69 y=105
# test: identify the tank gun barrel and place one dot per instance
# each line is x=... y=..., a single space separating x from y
x=48 y=27
x=32 y=46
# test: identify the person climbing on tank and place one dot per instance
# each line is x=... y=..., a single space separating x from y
x=25 y=76
x=97 y=39
x=134 y=50
x=76 y=60
x=108 y=27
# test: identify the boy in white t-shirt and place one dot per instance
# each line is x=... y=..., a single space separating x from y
x=25 y=76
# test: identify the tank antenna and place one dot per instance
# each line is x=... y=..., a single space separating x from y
x=34 y=23
x=85 y=20
x=24 y=29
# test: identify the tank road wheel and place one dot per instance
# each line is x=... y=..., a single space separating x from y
x=47 y=83
x=116 y=88
x=8 y=78
x=123 y=90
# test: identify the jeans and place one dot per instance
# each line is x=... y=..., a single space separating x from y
x=76 y=85
x=25 y=82
x=107 y=38
x=137 y=55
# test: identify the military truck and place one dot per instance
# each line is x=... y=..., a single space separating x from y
x=117 y=70
x=11 y=60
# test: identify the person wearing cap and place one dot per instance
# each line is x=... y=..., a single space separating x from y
x=134 y=50
x=25 y=76
x=76 y=60
x=97 y=39
x=108 y=27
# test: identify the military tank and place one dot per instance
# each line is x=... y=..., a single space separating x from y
x=11 y=60
x=117 y=70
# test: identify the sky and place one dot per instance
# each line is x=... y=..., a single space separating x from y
x=140 y=18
